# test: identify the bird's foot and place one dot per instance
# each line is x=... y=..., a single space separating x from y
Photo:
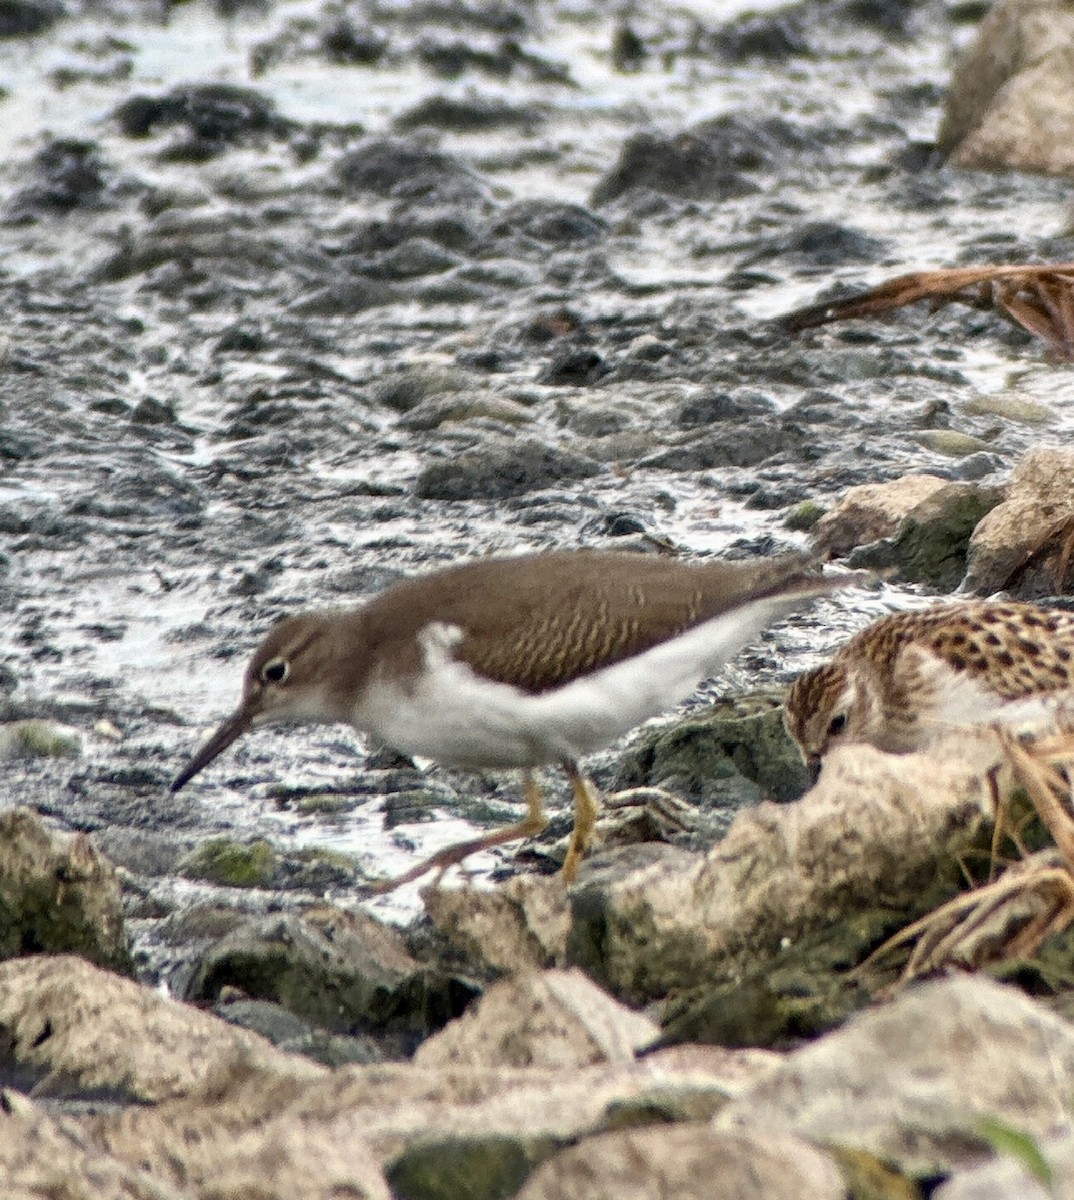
x=532 y=824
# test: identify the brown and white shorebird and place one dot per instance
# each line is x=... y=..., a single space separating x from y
x=517 y=662
x=908 y=678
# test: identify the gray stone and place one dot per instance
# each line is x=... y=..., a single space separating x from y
x=498 y=471
x=343 y=971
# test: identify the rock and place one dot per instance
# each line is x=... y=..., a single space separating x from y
x=346 y=972
x=413 y=259
x=1020 y=544
x=521 y=925
x=737 y=444
x=933 y=540
x=454 y=1133
x=463 y=407
x=41 y=1155
x=914 y=1081
x=230 y=863
x=346 y=43
x=804 y=516
x=1008 y=103
x=710 y=161
x=870 y=512
x=402 y=169
x=874 y=824
x=58 y=894
x=76 y=1028
x=690 y=1162
x=497 y=471
x=1012 y=1172
x=65 y=176
x=410 y=385
x=284 y=1029
x=554 y=1019
x=276 y=1158
x=710 y=407
x=34 y=738
x=681 y=165
x=737 y=752
x=26 y=18
x=549 y=223
x=1011 y=406
x=573 y=366
x=473 y=114
x=952 y=443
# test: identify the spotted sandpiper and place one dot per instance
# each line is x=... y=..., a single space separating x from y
x=516 y=662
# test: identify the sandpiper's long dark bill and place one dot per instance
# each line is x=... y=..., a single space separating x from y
x=517 y=662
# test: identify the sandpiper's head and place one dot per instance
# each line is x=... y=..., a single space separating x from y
x=824 y=707
x=289 y=678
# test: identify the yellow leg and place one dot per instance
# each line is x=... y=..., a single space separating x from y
x=586 y=810
x=531 y=824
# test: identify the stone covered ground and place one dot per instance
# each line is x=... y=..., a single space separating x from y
x=298 y=298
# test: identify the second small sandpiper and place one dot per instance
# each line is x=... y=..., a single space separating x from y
x=908 y=678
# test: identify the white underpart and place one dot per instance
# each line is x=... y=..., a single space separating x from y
x=456 y=717
x=958 y=698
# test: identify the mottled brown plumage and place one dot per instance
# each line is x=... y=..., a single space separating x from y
x=908 y=677
x=515 y=662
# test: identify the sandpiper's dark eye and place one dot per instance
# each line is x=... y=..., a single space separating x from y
x=275 y=670
x=838 y=724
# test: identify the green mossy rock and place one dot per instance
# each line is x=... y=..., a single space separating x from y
x=951 y=442
x=736 y=753
x=231 y=864
x=931 y=546
x=804 y=516
x=58 y=894
x=38 y=739
x=466 y=1168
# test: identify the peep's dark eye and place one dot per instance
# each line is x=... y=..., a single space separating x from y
x=838 y=724
x=275 y=670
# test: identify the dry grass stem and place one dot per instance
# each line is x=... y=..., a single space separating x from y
x=1040 y=299
x=1009 y=917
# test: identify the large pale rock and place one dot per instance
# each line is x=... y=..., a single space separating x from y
x=41 y=1157
x=445 y=1132
x=521 y=925
x=689 y=1162
x=874 y=825
x=872 y=511
x=1039 y=503
x=552 y=1019
x=80 y=1028
x=1010 y=1176
x=1009 y=101
x=912 y=1081
x=279 y=1158
x=58 y=893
